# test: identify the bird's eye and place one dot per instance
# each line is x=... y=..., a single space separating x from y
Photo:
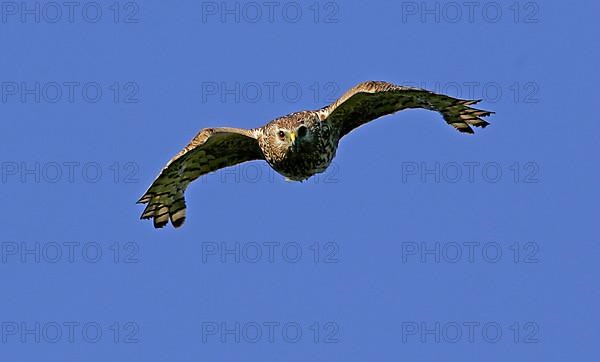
x=302 y=131
x=281 y=135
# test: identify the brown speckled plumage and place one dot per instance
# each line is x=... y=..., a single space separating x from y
x=298 y=145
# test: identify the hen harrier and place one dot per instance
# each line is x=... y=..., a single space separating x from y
x=298 y=145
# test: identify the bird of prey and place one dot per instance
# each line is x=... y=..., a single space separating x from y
x=298 y=145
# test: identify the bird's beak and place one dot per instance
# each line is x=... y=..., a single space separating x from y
x=293 y=136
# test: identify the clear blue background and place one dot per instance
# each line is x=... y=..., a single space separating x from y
x=369 y=212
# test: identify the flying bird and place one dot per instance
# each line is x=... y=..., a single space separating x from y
x=298 y=145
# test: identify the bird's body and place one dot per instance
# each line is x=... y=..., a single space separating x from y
x=313 y=152
x=298 y=145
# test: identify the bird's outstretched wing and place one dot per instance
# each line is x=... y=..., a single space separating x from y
x=370 y=100
x=210 y=150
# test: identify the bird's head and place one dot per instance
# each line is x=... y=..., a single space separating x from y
x=288 y=135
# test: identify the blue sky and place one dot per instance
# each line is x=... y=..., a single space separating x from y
x=419 y=243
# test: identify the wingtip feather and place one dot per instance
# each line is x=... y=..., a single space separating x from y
x=144 y=199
